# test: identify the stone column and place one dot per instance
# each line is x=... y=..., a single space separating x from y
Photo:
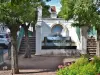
x=98 y=50
x=39 y=9
x=83 y=39
x=38 y=38
x=38 y=31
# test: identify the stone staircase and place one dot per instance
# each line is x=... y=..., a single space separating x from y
x=91 y=46
x=31 y=43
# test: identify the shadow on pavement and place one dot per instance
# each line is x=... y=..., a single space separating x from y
x=41 y=71
x=37 y=62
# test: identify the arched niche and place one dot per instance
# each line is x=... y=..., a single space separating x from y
x=60 y=29
x=57 y=28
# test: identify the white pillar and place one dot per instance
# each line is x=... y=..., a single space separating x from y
x=98 y=50
x=83 y=39
x=39 y=9
x=38 y=38
x=38 y=31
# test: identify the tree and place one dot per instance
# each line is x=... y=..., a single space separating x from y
x=45 y=9
x=27 y=12
x=29 y=15
x=9 y=17
x=83 y=12
x=14 y=14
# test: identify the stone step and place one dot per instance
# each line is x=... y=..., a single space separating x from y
x=93 y=54
x=91 y=46
x=30 y=49
x=31 y=46
x=29 y=38
x=91 y=50
x=25 y=48
x=24 y=52
x=31 y=43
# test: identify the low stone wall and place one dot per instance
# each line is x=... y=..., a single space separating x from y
x=60 y=52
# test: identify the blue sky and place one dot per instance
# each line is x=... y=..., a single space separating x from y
x=55 y=3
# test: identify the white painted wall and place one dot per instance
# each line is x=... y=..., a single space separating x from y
x=38 y=40
x=47 y=24
x=60 y=52
x=73 y=35
x=46 y=30
x=43 y=28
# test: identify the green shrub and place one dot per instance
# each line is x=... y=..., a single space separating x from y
x=88 y=69
x=82 y=61
x=81 y=67
x=98 y=71
x=85 y=55
x=96 y=61
x=63 y=71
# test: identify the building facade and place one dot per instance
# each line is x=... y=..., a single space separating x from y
x=53 y=32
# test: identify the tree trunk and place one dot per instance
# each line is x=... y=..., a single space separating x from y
x=27 y=51
x=33 y=25
x=33 y=28
x=14 y=53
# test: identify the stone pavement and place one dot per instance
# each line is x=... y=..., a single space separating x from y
x=29 y=72
x=38 y=65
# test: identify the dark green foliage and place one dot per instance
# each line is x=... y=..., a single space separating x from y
x=45 y=12
x=96 y=61
x=83 y=12
x=63 y=71
x=82 y=67
x=12 y=14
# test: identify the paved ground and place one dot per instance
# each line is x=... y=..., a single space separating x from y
x=29 y=72
x=37 y=65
